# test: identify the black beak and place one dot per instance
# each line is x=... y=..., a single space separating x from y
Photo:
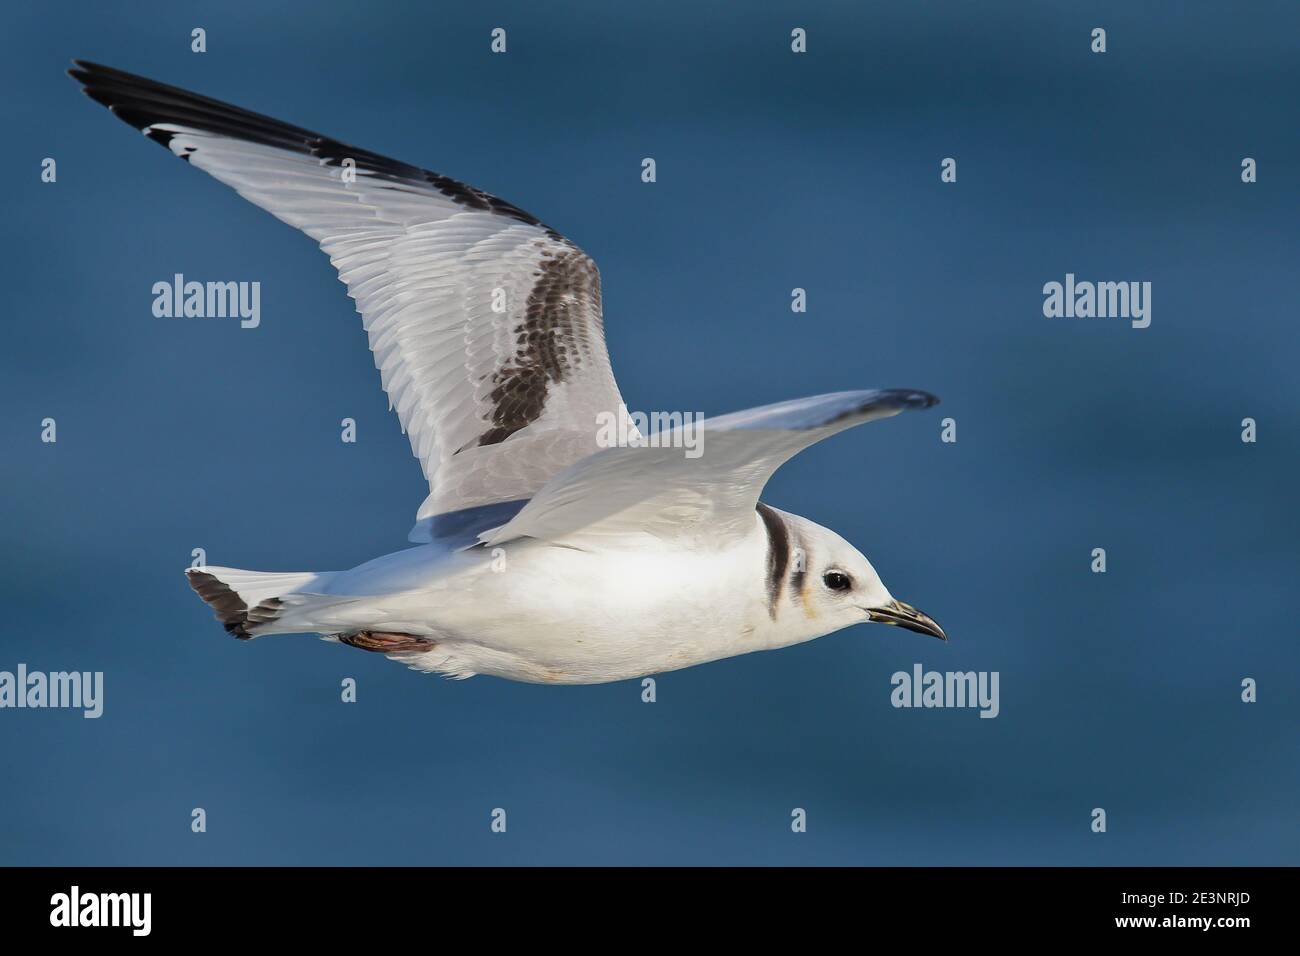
x=904 y=615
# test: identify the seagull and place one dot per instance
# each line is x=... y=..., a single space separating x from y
x=544 y=552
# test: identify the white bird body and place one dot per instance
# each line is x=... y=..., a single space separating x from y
x=535 y=612
x=546 y=554
x=540 y=613
x=559 y=615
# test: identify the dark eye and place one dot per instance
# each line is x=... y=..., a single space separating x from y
x=837 y=580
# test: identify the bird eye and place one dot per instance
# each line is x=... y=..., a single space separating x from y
x=837 y=580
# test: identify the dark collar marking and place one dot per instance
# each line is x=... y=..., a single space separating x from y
x=778 y=555
x=798 y=577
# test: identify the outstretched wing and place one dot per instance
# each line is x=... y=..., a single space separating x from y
x=485 y=324
x=665 y=493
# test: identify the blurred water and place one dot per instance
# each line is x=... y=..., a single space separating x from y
x=775 y=171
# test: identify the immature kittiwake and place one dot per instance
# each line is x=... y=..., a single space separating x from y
x=546 y=553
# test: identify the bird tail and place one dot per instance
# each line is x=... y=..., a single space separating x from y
x=252 y=603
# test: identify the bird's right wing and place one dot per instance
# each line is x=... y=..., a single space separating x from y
x=665 y=493
x=485 y=324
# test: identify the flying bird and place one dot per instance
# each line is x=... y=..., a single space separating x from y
x=543 y=553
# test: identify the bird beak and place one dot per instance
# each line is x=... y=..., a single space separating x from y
x=904 y=615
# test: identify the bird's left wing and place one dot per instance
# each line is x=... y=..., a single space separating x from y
x=485 y=324
x=666 y=493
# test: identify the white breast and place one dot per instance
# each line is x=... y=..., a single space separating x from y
x=549 y=614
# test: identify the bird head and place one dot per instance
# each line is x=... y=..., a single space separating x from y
x=837 y=586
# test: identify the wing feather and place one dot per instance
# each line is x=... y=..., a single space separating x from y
x=485 y=324
x=661 y=492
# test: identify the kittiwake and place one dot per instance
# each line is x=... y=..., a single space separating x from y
x=544 y=553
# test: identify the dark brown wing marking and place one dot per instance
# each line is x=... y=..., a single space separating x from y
x=547 y=345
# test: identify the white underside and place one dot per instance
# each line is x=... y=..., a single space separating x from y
x=540 y=613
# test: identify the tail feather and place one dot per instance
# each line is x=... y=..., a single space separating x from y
x=248 y=602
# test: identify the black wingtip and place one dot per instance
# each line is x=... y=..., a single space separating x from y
x=85 y=72
x=145 y=103
x=81 y=72
x=907 y=399
x=113 y=89
x=148 y=105
x=89 y=68
x=912 y=399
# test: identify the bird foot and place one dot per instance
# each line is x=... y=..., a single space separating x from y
x=386 y=642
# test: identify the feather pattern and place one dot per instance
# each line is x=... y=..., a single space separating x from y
x=485 y=324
